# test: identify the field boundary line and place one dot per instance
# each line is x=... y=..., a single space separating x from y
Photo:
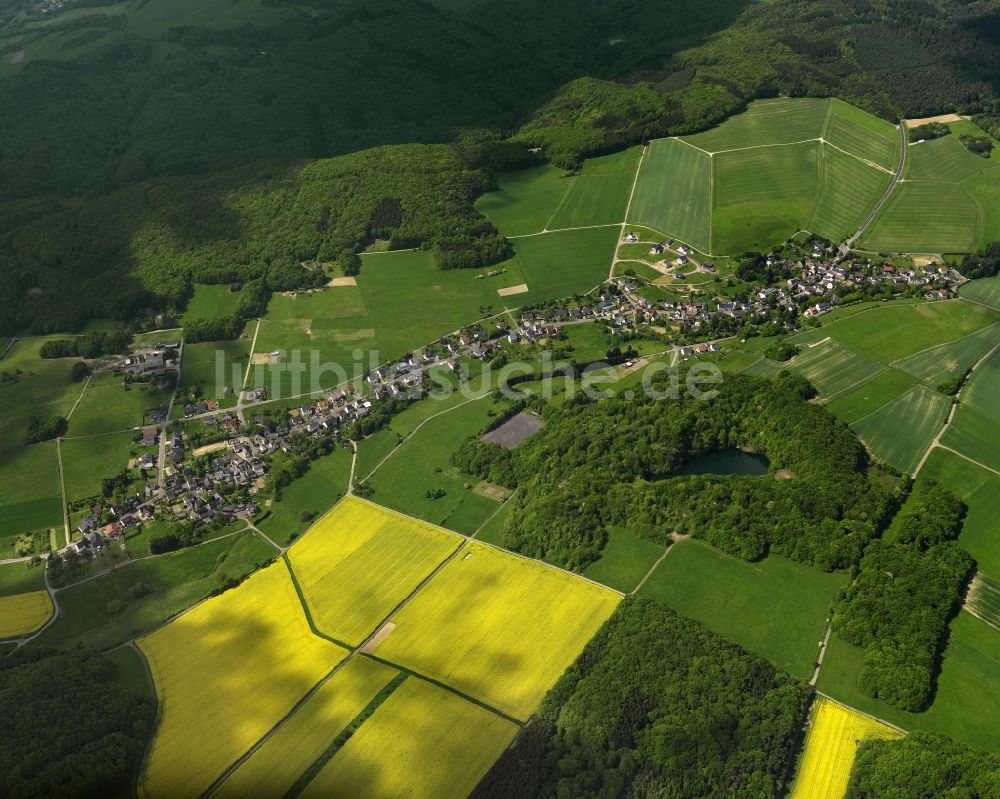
x=413 y=432
x=490 y=517
x=560 y=230
x=865 y=161
x=253 y=349
x=946 y=448
x=862 y=712
x=947 y=343
x=685 y=141
x=762 y=146
x=62 y=490
x=888 y=401
x=561 y=203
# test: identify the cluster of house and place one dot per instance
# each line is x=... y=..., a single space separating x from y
x=110 y=523
x=149 y=360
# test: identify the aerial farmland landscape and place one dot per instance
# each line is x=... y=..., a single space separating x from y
x=481 y=398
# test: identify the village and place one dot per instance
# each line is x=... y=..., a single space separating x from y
x=220 y=477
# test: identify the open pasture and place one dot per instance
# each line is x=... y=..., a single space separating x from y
x=87 y=461
x=32 y=386
x=831 y=747
x=22 y=614
x=766 y=122
x=31 y=495
x=214 y=365
x=17 y=578
x=210 y=302
x=274 y=768
x=887 y=333
x=422 y=741
x=420 y=468
x=411 y=302
x=108 y=405
x=526 y=200
x=498 y=627
x=674 y=192
x=625 y=560
x=982 y=392
x=225 y=673
x=984 y=188
x=833 y=368
x=952 y=358
x=776 y=608
x=900 y=431
x=561 y=264
x=765 y=175
x=870 y=396
x=925 y=217
x=317 y=329
x=848 y=189
x=359 y=561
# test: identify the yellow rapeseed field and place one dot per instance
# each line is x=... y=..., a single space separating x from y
x=498 y=627
x=226 y=672
x=274 y=768
x=422 y=741
x=359 y=561
x=21 y=614
x=831 y=746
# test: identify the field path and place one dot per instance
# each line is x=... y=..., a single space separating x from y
x=628 y=207
x=951 y=415
x=866 y=223
x=62 y=488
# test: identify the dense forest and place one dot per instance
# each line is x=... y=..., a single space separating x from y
x=596 y=465
x=656 y=705
x=68 y=728
x=906 y=590
x=923 y=765
x=145 y=124
x=148 y=244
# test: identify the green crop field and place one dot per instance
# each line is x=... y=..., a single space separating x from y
x=925 y=217
x=974 y=435
x=625 y=560
x=87 y=461
x=983 y=389
x=851 y=129
x=674 y=192
x=560 y=264
x=887 y=333
x=947 y=202
x=526 y=200
x=969 y=678
x=951 y=359
x=599 y=195
x=766 y=122
x=900 y=432
x=765 y=175
x=984 y=290
x=173 y=582
x=849 y=188
x=776 y=608
x=833 y=368
x=16 y=578
x=210 y=302
x=945 y=159
x=109 y=405
x=870 y=396
x=421 y=466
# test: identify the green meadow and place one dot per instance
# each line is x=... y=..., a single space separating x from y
x=766 y=122
x=625 y=560
x=561 y=264
x=951 y=359
x=833 y=368
x=18 y=578
x=210 y=302
x=777 y=608
x=422 y=465
x=969 y=678
x=200 y=363
x=526 y=200
x=974 y=435
x=108 y=404
x=984 y=290
x=848 y=190
x=870 y=396
x=87 y=461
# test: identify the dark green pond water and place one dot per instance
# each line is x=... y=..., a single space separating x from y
x=726 y=461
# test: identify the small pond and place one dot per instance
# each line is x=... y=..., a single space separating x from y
x=725 y=461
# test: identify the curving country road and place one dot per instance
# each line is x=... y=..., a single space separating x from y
x=889 y=189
